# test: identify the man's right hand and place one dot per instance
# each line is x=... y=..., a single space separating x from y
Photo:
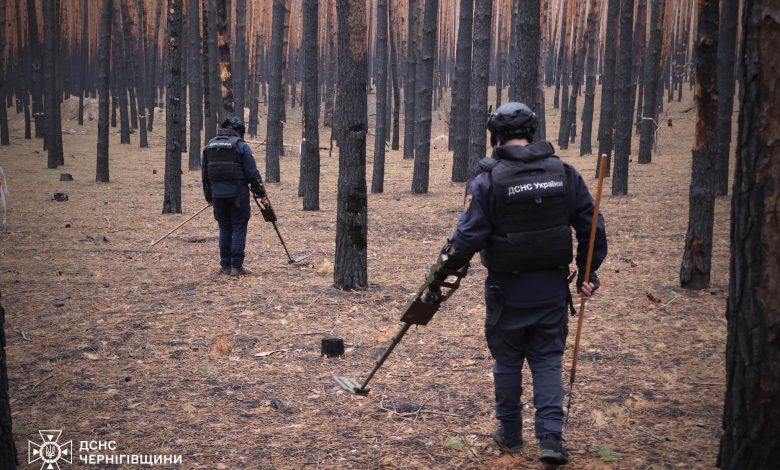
x=258 y=190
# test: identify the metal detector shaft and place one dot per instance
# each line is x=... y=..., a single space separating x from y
x=181 y=224
x=388 y=351
x=284 y=245
x=588 y=263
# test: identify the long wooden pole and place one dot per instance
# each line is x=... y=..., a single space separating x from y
x=179 y=226
x=581 y=316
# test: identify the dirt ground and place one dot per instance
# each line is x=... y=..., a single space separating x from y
x=111 y=339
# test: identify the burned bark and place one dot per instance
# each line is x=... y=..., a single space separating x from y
x=104 y=93
x=461 y=108
x=276 y=96
x=424 y=101
x=310 y=148
x=172 y=196
x=607 y=112
x=378 y=175
x=651 y=72
x=696 y=263
x=483 y=12
x=624 y=107
x=351 y=265
x=726 y=84
x=751 y=417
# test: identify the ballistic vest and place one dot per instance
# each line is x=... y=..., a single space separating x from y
x=532 y=200
x=224 y=159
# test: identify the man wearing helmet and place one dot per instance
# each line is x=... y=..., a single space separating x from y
x=518 y=214
x=227 y=168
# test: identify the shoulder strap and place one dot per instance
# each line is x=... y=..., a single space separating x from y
x=487 y=164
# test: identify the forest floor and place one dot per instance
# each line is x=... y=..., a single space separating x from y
x=110 y=339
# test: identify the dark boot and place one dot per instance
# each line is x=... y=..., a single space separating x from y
x=224 y=270
x=239 y=271
x=553 y=451
x=510 y=443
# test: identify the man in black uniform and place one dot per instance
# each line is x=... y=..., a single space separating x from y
x=227 y=168
x=518 y=214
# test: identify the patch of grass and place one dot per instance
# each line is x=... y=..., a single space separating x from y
x=206 y=371
x=607 y=454
x=454 y=443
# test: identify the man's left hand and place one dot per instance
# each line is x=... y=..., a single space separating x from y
x=588 y=288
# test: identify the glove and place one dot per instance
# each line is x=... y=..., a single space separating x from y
x=594 y=278
x=258 y=190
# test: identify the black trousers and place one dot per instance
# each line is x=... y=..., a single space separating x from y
x=537 y=335
x=232 y=215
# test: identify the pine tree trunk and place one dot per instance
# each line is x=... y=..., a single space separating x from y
x=696 y=264
x=209 y=47
x=254 y=93
x=240 y=59
x=461 y=109
x=351 y=266
x=22 y=78
x=310 y=149
x=424 y=100
x=155 y=65
x=607 y=113
x=8 y=459
x=726 y=58
x=118 y=74
x=410 y=85
x=590 y=94
x=52 y=95
x=172 y=197
x=4 y=136
x=640 y=35
x=276 y=96
x=196 y=90
x=624 y=106
x=561 y=63
x=139 y=47
x=225 y=71
x=378 y=176
x=529 y=35
x=651 y=72
x=483 y=11
x=104 y=91
x=36 y=67
x=751 y=418
x=396 y=139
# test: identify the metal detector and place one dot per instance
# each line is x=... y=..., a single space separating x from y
x=418 y=311
x=270 y=216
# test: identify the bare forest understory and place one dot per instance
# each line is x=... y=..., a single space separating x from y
x=109 y=339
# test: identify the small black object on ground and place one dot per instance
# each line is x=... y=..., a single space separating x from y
x=66 y=177
x=60 y=197
x=332 y=347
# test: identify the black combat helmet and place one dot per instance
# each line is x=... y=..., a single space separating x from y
x=236 y=124
x=512 y=121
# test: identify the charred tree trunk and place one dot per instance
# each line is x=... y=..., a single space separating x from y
x=209 y=47
x=240 y=58
x=225 y=71
x=396 y=139
x=8 y=458
x=726 y=48
x=36 y=71
x=483 y=11
x=118 y=74
x=526 y=69
x=4 y=136
x=139 y=46
x=751 y=418
x=410 y=85
x=172 y=197
x=607 y=114
x=461 y=109
x=425 y=98
x=568 y=131
x=52 y=94
x=561 y=67
x=695 y=269
x=276 y=96
x=624 y=107
x=378 y=176
x=104 y=92
x=651 y=72
x=310 y=149
x=351 y=266
x=590 y=95
x=640 y=34
x=196 y=92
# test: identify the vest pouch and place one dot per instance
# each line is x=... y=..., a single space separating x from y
x=537 y=250
x=222 y=171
